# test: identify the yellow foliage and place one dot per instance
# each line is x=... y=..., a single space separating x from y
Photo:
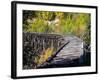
x=43 y=57
x=59 y=14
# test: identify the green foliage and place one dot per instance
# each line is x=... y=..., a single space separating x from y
x=45 y=15
x=37 y=26
x=69 y=23
x=59 y=15
x=67 y=26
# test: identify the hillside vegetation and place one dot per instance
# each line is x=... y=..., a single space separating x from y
x=58 y=22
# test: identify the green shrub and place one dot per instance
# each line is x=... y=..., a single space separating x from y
x=37 y=26
x=69 y=23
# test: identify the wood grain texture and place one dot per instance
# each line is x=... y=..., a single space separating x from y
x=69 y=53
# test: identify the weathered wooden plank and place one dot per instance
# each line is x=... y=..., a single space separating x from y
x=35 y=43
x=73 y=50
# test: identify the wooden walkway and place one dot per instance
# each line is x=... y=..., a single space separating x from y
x=68 y=54
x=69 y=50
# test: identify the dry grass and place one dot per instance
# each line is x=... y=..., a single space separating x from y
x=44 y=56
